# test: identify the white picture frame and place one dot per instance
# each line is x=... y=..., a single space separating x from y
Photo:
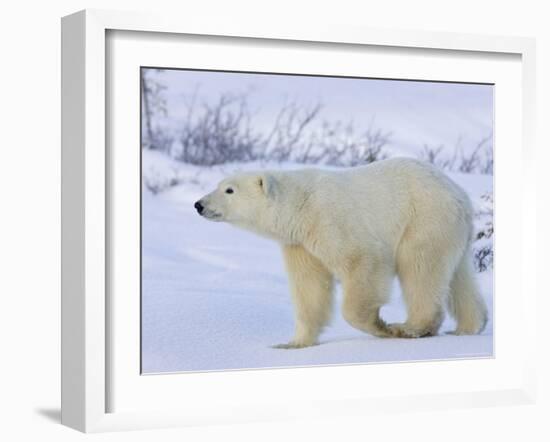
x=86 y=204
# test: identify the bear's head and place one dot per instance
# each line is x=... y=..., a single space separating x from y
x=243 y=200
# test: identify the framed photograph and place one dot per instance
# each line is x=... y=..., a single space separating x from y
x=265 y=222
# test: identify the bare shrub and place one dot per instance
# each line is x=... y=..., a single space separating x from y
x=159 y=139
x=221 y=133
x=483 y=258
x=483 y=240
x=153 y=103
x=433 y=156
x=224 y=132
x=334 y=143
x=478 y=160
x=287 y=139
x=340 y=145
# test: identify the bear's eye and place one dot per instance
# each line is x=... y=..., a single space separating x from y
x=229 y=190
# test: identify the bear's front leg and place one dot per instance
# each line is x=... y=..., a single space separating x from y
x=311 y=285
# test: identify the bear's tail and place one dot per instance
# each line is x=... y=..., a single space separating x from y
x=465 y=302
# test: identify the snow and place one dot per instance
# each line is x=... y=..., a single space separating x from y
x=215 y=297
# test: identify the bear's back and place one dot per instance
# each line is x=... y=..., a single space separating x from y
x=383 y=198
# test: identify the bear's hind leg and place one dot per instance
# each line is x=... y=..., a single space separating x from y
x=366 y=289
x=424 y=275
x=311 y=285
x=465 y=302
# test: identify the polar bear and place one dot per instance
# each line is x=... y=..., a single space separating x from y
x=363 y=226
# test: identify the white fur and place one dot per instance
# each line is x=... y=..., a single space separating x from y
x=364 y=226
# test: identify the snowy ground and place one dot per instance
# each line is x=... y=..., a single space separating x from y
x=215 y=297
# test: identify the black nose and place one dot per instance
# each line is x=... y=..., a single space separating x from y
x=199 y=207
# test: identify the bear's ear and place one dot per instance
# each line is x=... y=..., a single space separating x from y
x=268 y=184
